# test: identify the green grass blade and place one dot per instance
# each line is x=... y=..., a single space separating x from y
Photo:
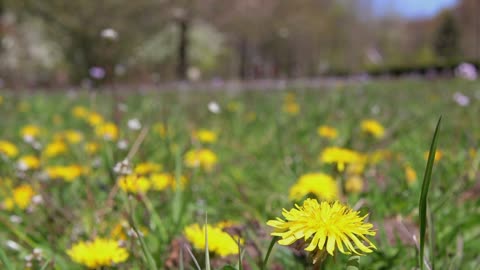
x=207 y=254
x=270 y=247
x=423 y=196
x=45 y=265
x=4 y=260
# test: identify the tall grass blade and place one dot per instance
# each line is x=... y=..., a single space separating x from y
x=207 y=254
x=4 y=260
x=423 y=196
x=197 y=265
x=270 y=247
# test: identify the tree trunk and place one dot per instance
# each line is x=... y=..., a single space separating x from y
x=183 y=44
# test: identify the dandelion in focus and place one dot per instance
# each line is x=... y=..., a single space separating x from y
x=324 y=228
x=321 y=185
x=98 y=253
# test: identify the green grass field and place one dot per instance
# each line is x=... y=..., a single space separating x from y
x=265 y=141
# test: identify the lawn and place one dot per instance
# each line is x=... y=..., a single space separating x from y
x=147 y=170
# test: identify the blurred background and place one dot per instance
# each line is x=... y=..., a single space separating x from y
x=56 y=43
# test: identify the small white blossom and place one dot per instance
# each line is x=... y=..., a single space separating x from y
x=461 y=99
x=123 y=167
x=12 y=245
x=122 y=144
x=134 y=124
x=213 y=107
x=109 y=33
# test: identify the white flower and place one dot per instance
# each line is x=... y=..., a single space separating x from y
x=123 y=167
x=109 y=33
x=466 y=71
x=213 y=107
x=12 y=245
x=461 y=99
x=122 y=144
x=134 y=124
x=15 y=219
x=37 y=199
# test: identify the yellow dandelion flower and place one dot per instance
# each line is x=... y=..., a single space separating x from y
x=321 y=185
x=205 y=136
x=108 y=131
x=22 y=197
x=91 y=148
x=204 y=158
x=8 y=149
x=28 y=162
x=55 y=148
x=134 y=184
x=438 y=155
x=324 y=227
x=30 y=132
x=160 y=129
x=354 y=184
x=373 y=128
x=410 y=174
x=162 y=181
x=98 y=253
x=73 y=136
x=340 y=156
x=80 y=112
x=327 y=132
x=94 y=118
x=291 y=107
x=147 y=168
x=67 y=173
x=219 y=242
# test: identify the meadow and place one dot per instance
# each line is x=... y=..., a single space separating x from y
x=128 y=180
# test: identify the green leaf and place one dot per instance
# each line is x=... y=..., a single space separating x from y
x=4 y=260
x=353 y=263
x=423 y=196
x=228 y=267
x=270 y=247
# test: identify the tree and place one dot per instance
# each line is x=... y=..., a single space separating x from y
x=447 y=37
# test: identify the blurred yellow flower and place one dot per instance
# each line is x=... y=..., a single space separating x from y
x=134 y=184
x=373 y=128
x=159 y=128
x=55 y=148
x=98 y=253
x=147 y=168
x=205 y=136
x=325 y=227
x=340 y=156
x=291 y=107
x=80 y=112
x=379 y=155
x=94 y=118
x=30 y=132
x=410 y=174
x=91 y=148
x=323 y=186
x=28 y=162
x=67 y=173
x=354 y=184
x=162 y=181
x=204 y=158
x=22 y=197
x=107 y=131
x=73 y=136
x=438 y=155
x=219 y=242
x=327 y=132
x=8 y=149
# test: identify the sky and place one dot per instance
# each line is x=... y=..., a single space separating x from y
x=412 y=8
